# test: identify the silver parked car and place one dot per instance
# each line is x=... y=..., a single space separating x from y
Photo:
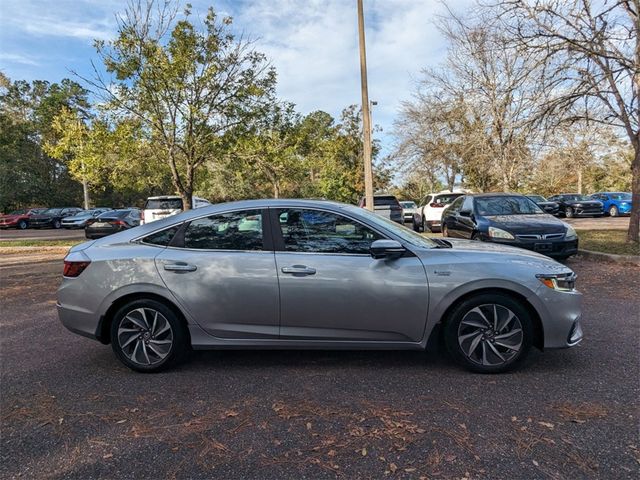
x=311 y=274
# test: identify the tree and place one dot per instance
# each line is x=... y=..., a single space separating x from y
x=188 y=86
x=28 y=176
x=591 y=54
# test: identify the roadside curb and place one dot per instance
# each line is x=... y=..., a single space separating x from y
x=610 y=257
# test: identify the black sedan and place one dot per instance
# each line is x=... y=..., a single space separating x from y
x=509 y=219
x=578 y=205
x=52 y=217
x=113 y=221
x=552 y=208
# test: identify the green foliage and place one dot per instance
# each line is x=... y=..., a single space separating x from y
x=28 y=176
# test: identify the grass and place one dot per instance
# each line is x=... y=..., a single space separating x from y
x=39 y=243
x=607 y=241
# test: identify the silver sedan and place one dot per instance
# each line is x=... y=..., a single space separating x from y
x=312 y=274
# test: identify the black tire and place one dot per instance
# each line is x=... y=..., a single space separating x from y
x=477 y=237
x=445 y=230
x=613 y=211
x=415 y=226
x=452 y=333
x=177 y=349
x=56 y=224
x=568 y=212
x=22 y=225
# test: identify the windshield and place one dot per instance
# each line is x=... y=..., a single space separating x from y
x=575 y=198
x=163 y=204
x=620 y=196
x=52 y=211
x=503 y=205
x=537 y=198
x=83 y=214
x=404 y=233
x=408 y=204
x=18 y=212
x=447 y=198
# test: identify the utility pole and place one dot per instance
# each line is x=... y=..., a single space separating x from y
x=366 y=116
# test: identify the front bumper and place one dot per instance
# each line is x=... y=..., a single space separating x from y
x=561 y=316
x=587 y=211
x=551 y=248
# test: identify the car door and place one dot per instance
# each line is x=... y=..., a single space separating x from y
x=331 y=288
x=220 y=272
x=450 y=218
x=465 y=219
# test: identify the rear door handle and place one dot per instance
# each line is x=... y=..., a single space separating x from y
x=180 y=267
x=299 y=270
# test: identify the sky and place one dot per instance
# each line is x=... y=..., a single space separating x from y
x=313 y=45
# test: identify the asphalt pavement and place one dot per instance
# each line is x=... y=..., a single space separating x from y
x=69 y=409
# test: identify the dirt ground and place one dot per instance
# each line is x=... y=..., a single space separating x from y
x=68 y=409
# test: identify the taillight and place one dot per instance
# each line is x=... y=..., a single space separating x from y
x=117 y=222
x=436 y=205
x=73 y=269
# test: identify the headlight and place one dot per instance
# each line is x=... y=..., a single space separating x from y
x=499 y=233
x=571 y=233
x=563 y=282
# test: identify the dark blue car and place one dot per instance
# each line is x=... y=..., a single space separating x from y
x=509 y=219
x=615 y=203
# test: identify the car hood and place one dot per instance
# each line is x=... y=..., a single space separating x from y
x=11 y=217
x=74 y=218
x=521 y=224
x=503 y=254
x=40 y=216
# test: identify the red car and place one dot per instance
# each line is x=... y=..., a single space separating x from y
x=19 y=219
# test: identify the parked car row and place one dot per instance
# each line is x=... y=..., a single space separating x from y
x=572 y=205
x=37 y=217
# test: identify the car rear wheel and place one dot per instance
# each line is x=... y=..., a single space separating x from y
x=568 y=212
x=489 y=333
x=22 y=225
x=613 y=211
x=147 y=336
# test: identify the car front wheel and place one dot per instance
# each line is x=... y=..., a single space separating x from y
x=489 y=333
x=568 y=212
x=613 y=211
x=147 y=336
x=22 y=225
x=56 y=224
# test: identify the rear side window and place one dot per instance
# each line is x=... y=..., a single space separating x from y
x=226 y=231
x=163 y=204
x=161 y=238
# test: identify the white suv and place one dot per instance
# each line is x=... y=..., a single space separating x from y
x=164 y=206
x=432 y=207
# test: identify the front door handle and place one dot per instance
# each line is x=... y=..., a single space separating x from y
x=180 y=267
x=299 y=270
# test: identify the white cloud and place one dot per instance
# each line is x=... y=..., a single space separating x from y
x=18 y=58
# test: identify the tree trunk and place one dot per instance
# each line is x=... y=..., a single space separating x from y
x=276 y=190
x=580 y=180
x=634 y=222
x=187 y=198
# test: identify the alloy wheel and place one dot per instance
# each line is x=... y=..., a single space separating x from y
x=490 y=335
x=613 y=211
x=145 y=336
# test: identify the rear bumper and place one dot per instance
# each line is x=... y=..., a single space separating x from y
x=78 y=321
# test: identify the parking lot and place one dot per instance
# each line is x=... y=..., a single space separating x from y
x=70 y=409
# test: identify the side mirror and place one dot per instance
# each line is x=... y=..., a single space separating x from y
x=386 y=249
x=465 y=213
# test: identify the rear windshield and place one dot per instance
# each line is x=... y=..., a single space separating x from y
x=447 y=198
x=408 y=204
x=380 y=201
x=114 y=214
x=163 y=204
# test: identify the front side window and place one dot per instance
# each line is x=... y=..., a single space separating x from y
x=324 y=232
x=163 y=237
x=226 y=231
